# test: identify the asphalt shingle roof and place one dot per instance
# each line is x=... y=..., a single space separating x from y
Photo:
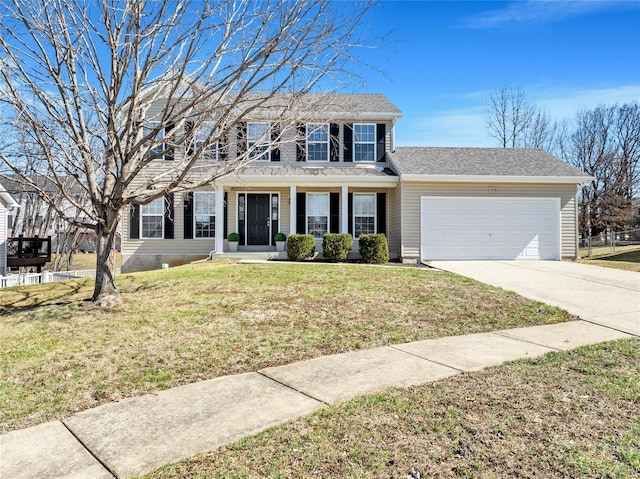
x=328 y=171
x=516 y=162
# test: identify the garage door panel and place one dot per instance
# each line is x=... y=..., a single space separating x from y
x=497 y=228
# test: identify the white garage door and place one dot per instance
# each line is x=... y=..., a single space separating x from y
x=489 y=228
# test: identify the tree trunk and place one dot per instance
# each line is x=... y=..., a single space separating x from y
x=106 y=293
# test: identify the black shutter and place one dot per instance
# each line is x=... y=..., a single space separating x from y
x=348 y=142
x=381 y=213
x=168 y=217
x=134 y=222
x=225 y=216
x=241 y=146
x=169 y=155
x=301 y=142
x=350 y=208
x=275 y=138
x=188 y=215
x=301 y=213
x=334 y=212
x=334 y=142
x=381 y=139
x=189 y=136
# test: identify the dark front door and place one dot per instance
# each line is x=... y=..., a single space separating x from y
x=258 y=219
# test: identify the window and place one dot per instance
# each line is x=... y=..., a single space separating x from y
x=210 y=153
x=10 y=224
x=157 y=145
x=364 y=142
x=258 y=141
x=204 y=211
x=317 y=142
x=152 y=219
x=364 y=214
x=317 y=214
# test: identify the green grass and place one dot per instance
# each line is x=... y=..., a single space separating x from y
x=628 y=260
x=573 y=414
x=59 y=354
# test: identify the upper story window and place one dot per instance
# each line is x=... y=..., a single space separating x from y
x=318 y=142
x=159 y=150
x=364 y=142
x=258 y=140
x=210 y=152
x=152 y=219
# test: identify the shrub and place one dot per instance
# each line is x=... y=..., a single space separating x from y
x=300 y=247
x=280 y=237
x=233 y=237
x=374 y=248
x=336 y=246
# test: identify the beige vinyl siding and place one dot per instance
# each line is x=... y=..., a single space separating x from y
x=3 y=240
x=412 y=191
x=394 y=223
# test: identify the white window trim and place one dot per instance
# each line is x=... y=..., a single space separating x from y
x=161 y=215
x=374 y=143
x=262 y=141
x=375 y=212
x=328 y=142
x=215 y=225
x=306 y=213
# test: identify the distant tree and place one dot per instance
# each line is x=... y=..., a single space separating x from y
x=102 y=88
x=605 y=143
x=515 y=122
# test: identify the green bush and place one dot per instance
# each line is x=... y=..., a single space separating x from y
x=280 y=237
x=233 y=237
x=336 y=246
x=374 y=248
x=300 y=247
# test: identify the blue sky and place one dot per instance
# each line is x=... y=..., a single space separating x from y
x=443 y=59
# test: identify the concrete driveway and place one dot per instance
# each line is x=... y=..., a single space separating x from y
x=604 y=296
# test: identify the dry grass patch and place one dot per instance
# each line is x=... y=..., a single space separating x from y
x=574 y=414
x=60 y=355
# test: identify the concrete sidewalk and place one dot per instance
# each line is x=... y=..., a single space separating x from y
x=137 y=435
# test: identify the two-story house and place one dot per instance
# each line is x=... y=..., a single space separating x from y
x=6 y=203
x=340 y=171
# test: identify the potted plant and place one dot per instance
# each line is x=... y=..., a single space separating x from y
x=233 y=239
x=281 y=239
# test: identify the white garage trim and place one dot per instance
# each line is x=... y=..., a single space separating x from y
x=481 y=227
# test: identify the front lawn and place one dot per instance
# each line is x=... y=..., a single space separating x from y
x=628 y=260
x=565 y=415
x=59 y=354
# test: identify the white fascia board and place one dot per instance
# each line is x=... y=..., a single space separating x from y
x=498 y=179
x=7 y=199
x=309 y=181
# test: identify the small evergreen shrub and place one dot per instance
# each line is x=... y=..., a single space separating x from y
x=233 y=237
x=336 y=246
x=280 y=237
x=374 y=248
x=300 y=247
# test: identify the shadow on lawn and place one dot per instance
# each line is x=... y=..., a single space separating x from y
x=627 y=257
x=29 y=300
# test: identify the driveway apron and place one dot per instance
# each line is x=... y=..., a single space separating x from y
x=604 y=296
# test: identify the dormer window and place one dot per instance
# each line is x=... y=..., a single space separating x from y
x=317 y=142
x=258 y=140
x=364 y=142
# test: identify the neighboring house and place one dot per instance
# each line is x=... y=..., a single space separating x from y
x=6 y=202
x=343 y=173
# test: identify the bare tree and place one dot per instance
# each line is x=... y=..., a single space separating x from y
x=104 y=88
x=605 y=143
x=515 y=122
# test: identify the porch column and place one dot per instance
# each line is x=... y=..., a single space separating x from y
x=219 y=219
x=292 y=209
x=345 y=210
